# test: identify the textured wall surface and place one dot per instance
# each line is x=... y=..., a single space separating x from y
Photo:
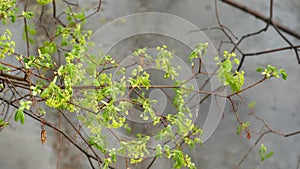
x=277 y=101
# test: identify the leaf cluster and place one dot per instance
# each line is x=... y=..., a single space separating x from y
x=271 y=71
x=264 y=154
x=7 y=46
x=225 y=73
x=19 y=115
x=8 y=9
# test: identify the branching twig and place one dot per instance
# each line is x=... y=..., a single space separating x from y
x=251 y=148
x=262 y=17
x=26 y=29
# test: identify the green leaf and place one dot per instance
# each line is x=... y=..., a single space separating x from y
x=31 y=31
x=227 y=76
x=199 y=51
x=8 y=9
x=238 y=130
x=263 y=153
x=27 y=15
x=270 y=154
x=242 y=127
x=3 y=123
x=6 y=44
x=42 y=111
x=236 y=61
x=283 y=74
x=271 y=71
x=178 y=158
x=17 y=116
x=4 y=68
x=260 y=69
x=44 y=2
x=252 y=104
x=158 y=152
x=48 y=47
x=20 y=116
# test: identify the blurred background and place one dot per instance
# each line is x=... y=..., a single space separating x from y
x=277 y=101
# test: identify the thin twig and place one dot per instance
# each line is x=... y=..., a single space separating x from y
x=261 y=17
x=250 y=149
x=271 y=51
x=26 y=29
x=249 y=87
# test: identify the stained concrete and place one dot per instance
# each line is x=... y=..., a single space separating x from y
x=277 y=101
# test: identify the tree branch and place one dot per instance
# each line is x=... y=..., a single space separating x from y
x=262 y=17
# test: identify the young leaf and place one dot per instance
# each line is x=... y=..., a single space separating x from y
x=44 y=2
x=269 y=154
x=3 y=68
x=263 y=153
x=158 y=152
x=283 y=74
x=27 y=15
x=260 y=69
x=252 y=104
x=3 y=123
x=20 y=116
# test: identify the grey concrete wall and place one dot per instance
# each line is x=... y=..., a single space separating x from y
x=276 y=100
